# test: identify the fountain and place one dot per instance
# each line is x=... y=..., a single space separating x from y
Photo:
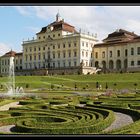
x=12 y=90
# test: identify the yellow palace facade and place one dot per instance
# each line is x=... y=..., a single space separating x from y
x=58 y=49
x=61 y=49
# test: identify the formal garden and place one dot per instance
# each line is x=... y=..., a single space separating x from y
x=101 y=104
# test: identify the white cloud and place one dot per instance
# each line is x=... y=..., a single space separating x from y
x=96 y=19
x=22 y=10
x=4 y=48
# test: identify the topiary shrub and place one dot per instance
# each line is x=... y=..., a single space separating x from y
x=27 y=85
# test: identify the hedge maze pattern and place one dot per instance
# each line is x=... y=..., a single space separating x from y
x=62 y=117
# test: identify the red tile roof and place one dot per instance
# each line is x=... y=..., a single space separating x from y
x=120 y=34
x=117 y=43
x=9 y=54
x=61 y=25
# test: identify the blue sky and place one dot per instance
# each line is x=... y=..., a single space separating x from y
x=23 y=22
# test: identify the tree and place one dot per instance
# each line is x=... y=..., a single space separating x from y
x=52 y=86
x=106 y=86
x=87 y=86
x=75 y=86
x=115 y=84
x=1 y=86
x=135 y=84
x=27 y=85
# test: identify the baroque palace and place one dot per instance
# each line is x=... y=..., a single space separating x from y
x=60 y=49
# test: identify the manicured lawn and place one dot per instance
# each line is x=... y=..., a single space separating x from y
x=63 y=82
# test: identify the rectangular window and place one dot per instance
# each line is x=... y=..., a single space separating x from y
x=138 y=50
x=132 y=51
x=87 y=44
x=118 y=53
x=39 y=57
x=75 y=44
x=96 y=54
x=69 y=45
x=59 y=55
x=132 y=63
x=110 y=53
x=103 y=54
x=53 y=55
x=58 y=46
x=69 y=54
x=63 y=45
x=53 y=47
x=59 y=64
x=75 y=64
x=64 y=64
x=58 y=34
x=39 y=48
x=75 y=54
x=91 y=55
x=53 y=65
x=43 y=56
x=82 y=43
x=49 y=56
x=126 y=52
x=69 y=64
x=138 y=63
x=34 y=57
x=34 y=49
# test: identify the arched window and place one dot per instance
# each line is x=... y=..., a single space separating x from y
x=111 y=64
x=118 y=64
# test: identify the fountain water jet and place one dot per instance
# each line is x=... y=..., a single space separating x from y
x=12 y=90
x=11 y=78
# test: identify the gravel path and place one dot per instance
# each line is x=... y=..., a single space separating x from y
x=6 y=128
x=120 y=121
x=6 y=107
